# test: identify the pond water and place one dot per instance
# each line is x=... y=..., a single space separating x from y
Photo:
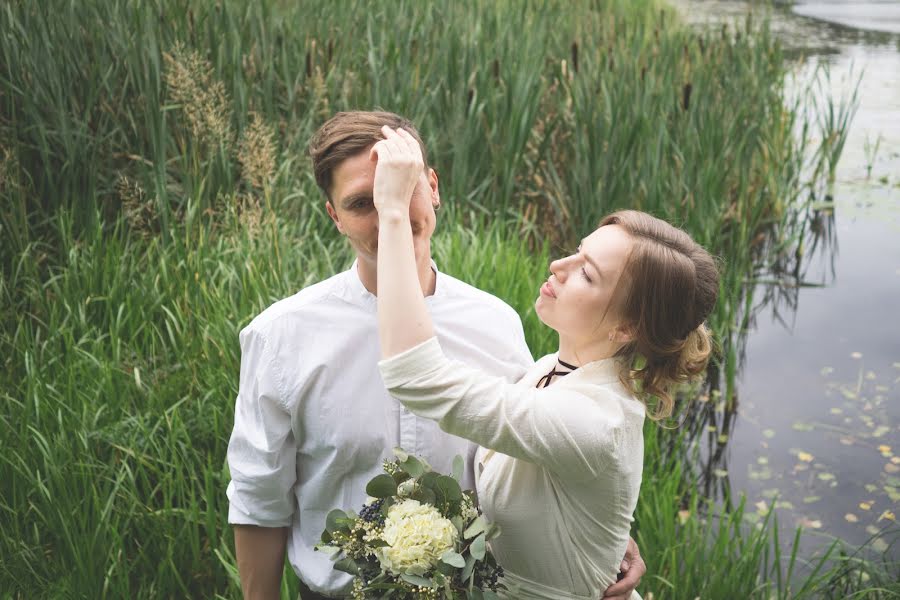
x=816 y=430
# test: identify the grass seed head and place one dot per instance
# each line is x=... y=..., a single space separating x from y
x=191 y=83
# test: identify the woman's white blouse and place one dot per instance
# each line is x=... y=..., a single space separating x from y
x=560 y=468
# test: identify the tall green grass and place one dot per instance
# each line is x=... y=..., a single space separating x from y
x=155 y=197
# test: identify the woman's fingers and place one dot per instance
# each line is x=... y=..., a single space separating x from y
x=403 y=144
x=381 y=150
x=411 y=142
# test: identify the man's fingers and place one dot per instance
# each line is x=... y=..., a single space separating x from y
x=382 y=150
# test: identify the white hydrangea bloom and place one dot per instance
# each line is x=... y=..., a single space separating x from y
x=418 y=535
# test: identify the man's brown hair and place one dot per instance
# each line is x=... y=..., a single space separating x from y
x=347 y=134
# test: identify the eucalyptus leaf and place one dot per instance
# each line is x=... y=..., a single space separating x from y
x=335 y=521
x=449 y=488
x=347 y=565
x=382 y=486
x=416 y=580
x=458 y=523
x=413 y=466
x=467 y=570
x=453 y=558
x=478 y=525
x=478 y=547
x=401 y=454
x=424 y=495
x=459 y=466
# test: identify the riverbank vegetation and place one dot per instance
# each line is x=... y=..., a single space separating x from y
x=156 y=196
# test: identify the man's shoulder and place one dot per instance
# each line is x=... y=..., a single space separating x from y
x=297 y=305
x=457 y=289
x=472 y=298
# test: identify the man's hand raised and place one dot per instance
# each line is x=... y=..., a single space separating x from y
x=398 y=168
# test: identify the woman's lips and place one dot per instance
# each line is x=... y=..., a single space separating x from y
x=547 y=290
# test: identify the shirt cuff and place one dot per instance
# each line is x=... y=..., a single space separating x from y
x=239 y=515
x=409 y=364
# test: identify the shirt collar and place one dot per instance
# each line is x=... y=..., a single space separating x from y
x=357 y=290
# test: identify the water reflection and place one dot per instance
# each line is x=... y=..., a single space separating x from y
x=811 y=426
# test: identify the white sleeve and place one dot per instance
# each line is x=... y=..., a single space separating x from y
x=562 y=429
x=262 y=451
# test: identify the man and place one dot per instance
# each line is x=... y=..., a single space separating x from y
x=313 y=421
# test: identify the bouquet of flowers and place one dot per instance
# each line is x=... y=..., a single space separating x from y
x=418 y=536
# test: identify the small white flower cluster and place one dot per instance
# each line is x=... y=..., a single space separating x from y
x=467 y=509
x=418 y=535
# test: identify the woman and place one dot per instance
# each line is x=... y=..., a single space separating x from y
x=560 y=467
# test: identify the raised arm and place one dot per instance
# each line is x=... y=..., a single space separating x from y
x=571 y=430
x=403 y=319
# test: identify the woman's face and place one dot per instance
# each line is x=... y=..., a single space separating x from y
x=576 y=300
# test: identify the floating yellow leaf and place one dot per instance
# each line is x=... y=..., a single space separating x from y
x=723 y=437
x=847 y=441
x=711 y=428
x=810 y=523
x=887 y=515
x=895 y=460
x=879 y=545
x=825 y=476
x=683 y=516
x=856 y=355
x=836 y=411
x=826 y=371
x=769 y=433
x=880 y=430
x=805 y=456
x=851 y=518
x=784 y=504
x=892 y=468
x=870 y=375
x=720 y=473
x=865 y=505
x=811 y=499
x=762 y=507
x=872 y=530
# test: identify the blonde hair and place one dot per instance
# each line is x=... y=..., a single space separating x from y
x=670 y=286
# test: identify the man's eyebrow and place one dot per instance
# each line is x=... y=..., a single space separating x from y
x=354 y=197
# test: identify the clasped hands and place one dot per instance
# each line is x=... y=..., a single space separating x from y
x=397 y=170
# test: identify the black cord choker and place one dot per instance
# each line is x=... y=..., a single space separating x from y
x=546 y=379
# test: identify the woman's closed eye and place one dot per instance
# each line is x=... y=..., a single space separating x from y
x=585 y=275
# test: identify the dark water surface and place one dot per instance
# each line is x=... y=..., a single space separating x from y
x=816 y=432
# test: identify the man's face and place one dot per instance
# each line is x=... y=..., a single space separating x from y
x=353 y=212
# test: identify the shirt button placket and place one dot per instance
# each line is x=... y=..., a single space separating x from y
x=407 y=430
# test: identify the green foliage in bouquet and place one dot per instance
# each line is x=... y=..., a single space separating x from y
x=418 y=536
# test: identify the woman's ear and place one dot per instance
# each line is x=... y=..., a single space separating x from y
x=622 y=334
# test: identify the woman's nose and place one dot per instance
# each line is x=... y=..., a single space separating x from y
x=557 y=268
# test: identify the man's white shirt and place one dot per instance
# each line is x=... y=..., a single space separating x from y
x=313 y=421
